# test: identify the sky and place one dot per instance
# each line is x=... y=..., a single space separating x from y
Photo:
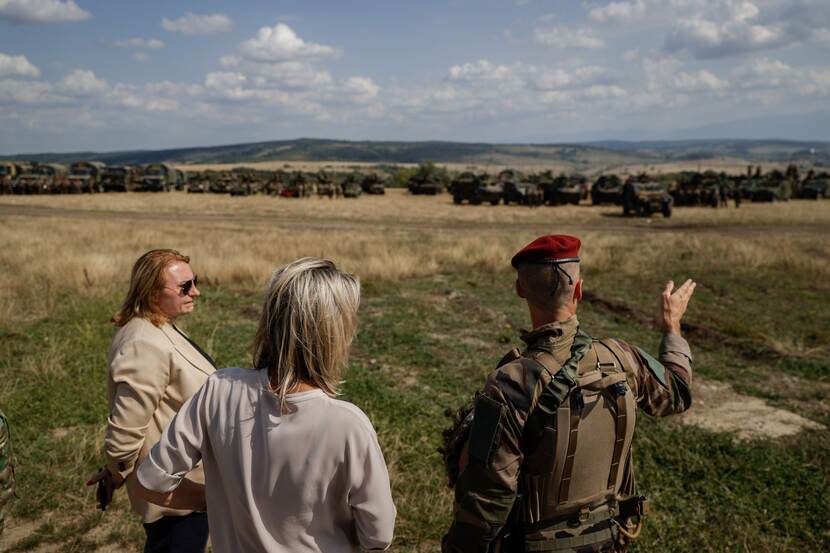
x=105 y=75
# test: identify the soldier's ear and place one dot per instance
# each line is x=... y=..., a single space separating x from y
x=519 y=290
x=578 y=290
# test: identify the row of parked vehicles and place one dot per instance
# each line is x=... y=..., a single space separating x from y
x=641 y=194
x=87 y=177
x=94 y=176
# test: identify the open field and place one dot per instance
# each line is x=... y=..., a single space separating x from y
x=729 y=165
x=747 y=470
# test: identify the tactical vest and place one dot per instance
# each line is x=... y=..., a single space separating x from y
x=6 y=469
x=577 y=475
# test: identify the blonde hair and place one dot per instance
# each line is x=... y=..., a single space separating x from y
x=146 y=279
x=308 y=322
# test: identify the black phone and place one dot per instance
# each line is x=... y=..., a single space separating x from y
x=101 y=494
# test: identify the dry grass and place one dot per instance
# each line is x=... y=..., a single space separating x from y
x=87 y=244
x=602 y=163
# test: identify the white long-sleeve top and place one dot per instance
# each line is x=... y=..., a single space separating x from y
x=310 y=479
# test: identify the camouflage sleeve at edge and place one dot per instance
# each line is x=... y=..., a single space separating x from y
x=485 y=491
x=664 y=386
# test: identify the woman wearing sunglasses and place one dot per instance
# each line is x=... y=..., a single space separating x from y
x=288 y=467
x=154 y=367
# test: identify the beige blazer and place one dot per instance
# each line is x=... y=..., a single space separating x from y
x=152 y=372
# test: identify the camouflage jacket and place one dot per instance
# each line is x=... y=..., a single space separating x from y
x=485 y=492
x=6 y=469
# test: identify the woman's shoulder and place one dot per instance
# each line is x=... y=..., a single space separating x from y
x=235 y=377
x=352 y=416
x=137 y=328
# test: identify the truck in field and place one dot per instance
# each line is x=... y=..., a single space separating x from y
x=157 y=177
x=85 y=177
x=119 y=178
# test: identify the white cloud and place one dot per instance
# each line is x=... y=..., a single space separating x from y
x=130 y=97
x=139 y=43
x=603 y=92
x=281 y=43
x=42 y=11
x=362 y=89
x=83 y=83
x=619 y=11
x=564 y=37
x=195 y=24
x=699 y=81
x=17 y=66
x=731 y=27
x=14 y=91
x=481 y=70
x=141 y=57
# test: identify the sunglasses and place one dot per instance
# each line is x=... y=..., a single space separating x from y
x=187 y=286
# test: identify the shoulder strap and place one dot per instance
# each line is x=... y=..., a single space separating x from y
x=612 y=357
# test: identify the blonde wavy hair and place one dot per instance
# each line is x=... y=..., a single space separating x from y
x=308 y=322
x=146 y=279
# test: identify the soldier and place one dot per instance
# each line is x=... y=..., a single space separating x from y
x=544 y=457
x=6 y=469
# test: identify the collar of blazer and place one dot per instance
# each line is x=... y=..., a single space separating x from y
x=186 y=350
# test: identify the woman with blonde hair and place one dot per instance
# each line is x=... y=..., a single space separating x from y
x=288 y=467
x=154 y=368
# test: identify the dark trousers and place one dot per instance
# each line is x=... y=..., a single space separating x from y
x=171 y=534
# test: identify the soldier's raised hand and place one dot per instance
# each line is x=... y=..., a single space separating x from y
x=674 y=305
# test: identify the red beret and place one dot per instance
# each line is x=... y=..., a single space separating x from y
x=551 y=248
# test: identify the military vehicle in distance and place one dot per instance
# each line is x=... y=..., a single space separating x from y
x=815 y=186
x=327 y=186
x=198 y=182
x=774 y=187
x=351 y=185
x=526 y=192
x=42 y=178
x=118 y=178
x=607 y=189
x=299 y=185
x=426 y=180
x=8 y=173
x=373 y=184
x=221 y=183
x=563 y=189
x=85 y=176
x=476 y=189
x=157 y=177
x=642 y=196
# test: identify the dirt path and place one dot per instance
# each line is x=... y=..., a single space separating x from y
x=381 y=221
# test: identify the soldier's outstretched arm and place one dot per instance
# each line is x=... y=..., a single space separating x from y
x=664 y=385
x=486 y=487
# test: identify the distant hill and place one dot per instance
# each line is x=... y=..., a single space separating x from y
x=577 y=155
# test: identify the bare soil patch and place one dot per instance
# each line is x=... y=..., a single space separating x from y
x=717 y=407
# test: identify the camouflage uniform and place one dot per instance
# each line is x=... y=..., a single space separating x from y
x=6 y=469
x=518 y=455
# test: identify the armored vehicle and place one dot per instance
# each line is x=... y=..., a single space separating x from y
x=815 y=186
x=299 y=185
x=607 y=189
x=118 y=178
x=475 y=189
x=373 y=184
x=351 y=185
x=198 y=182
x=693 y=188
x=157 y=177
x=85 y=176
x=327 y=186
x=563 y=190
x=642 y=198
x=774 y=187
x=426 y=180
x=181 y=179
x=221 y=183
x=526 y=192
